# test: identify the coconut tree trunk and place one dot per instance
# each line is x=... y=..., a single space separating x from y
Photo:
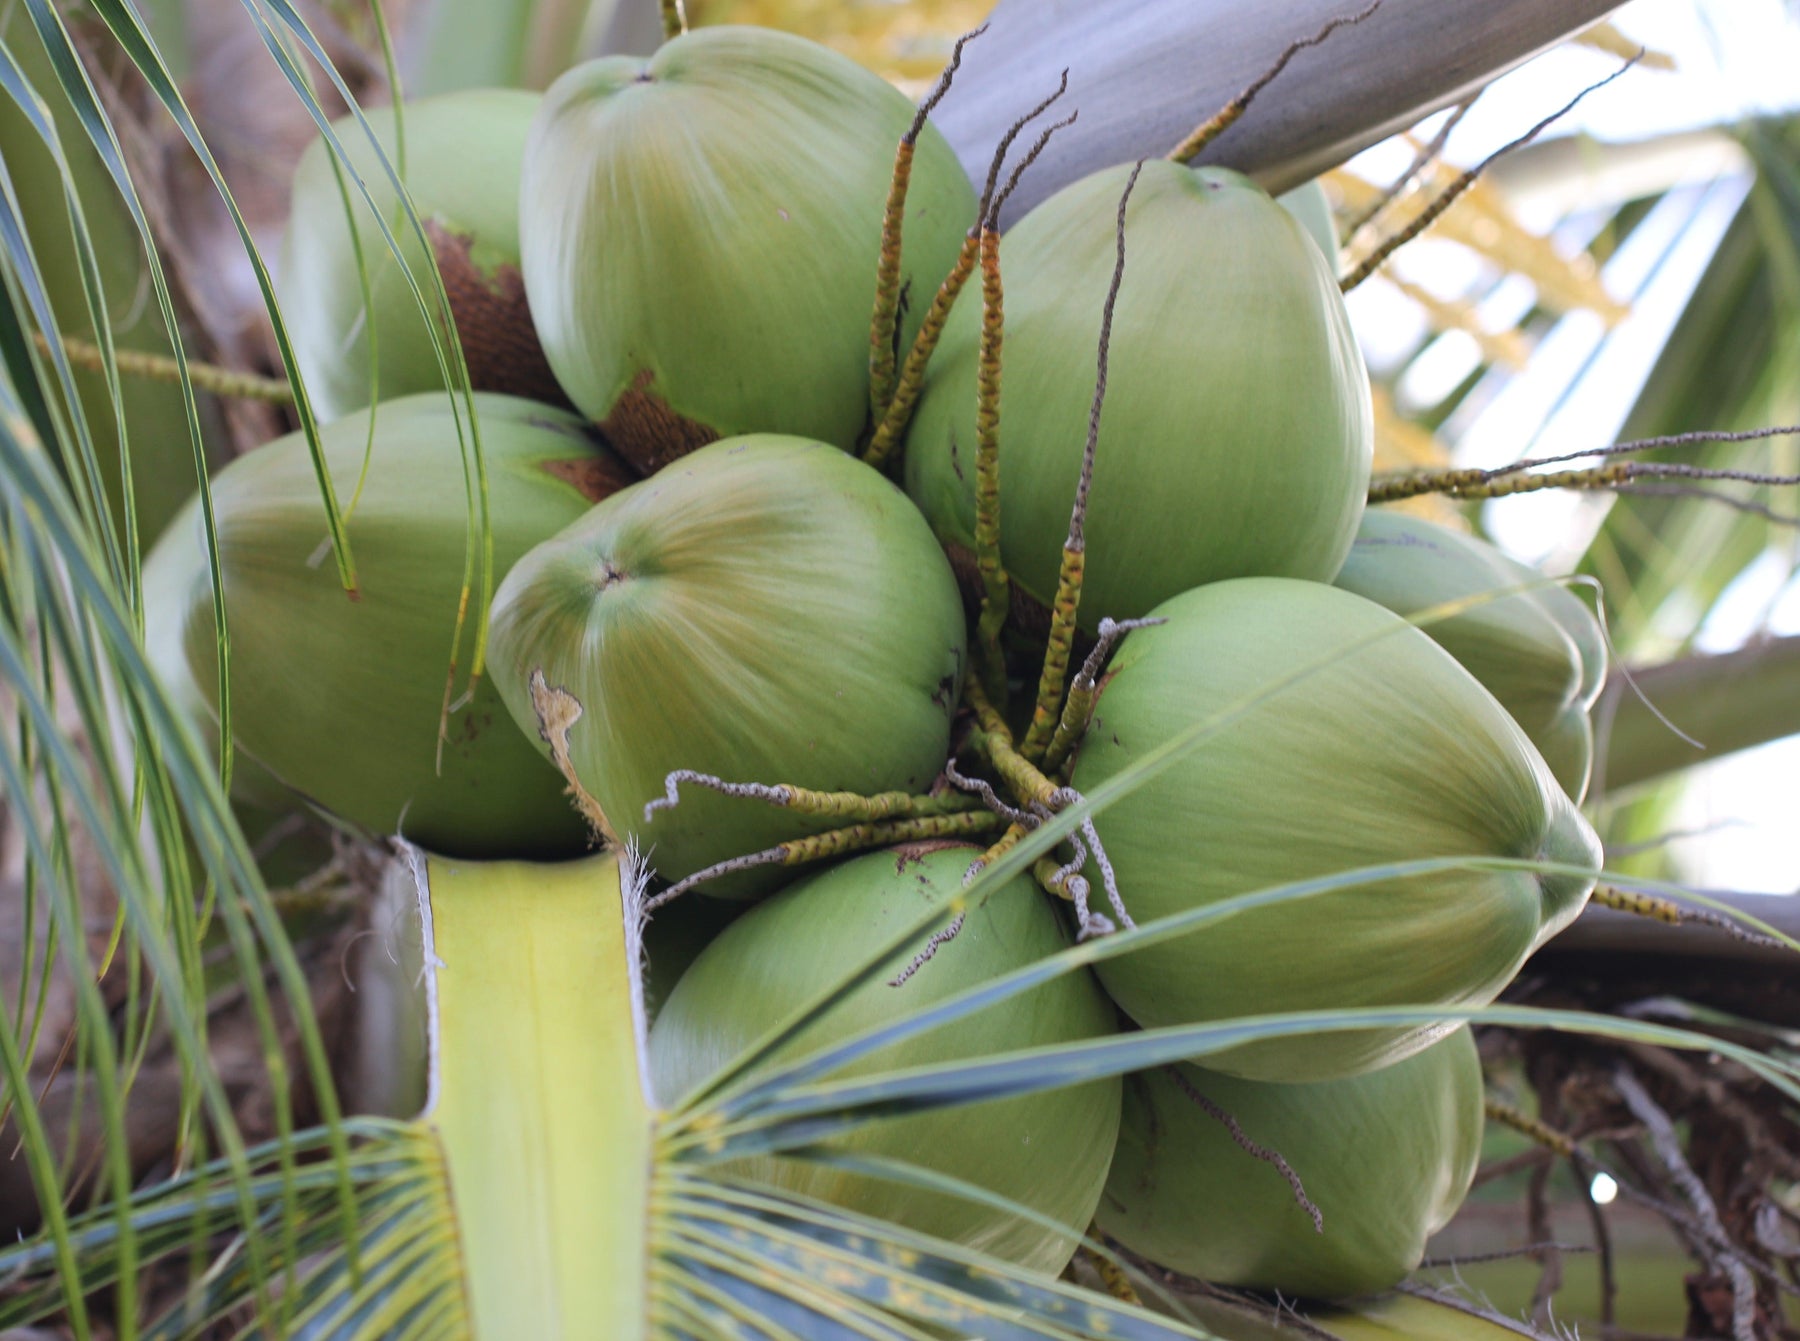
x=1145 y=72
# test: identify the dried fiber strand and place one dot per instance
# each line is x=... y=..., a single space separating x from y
x=1502 y=1255
x=1743 y=505
x=1698 y=438
x=992 y=220
x=1066 y=881
x=1451 y=193
x=939 y=938
x=1243 y=1142
x=983 y=789
x=985 y=209
x=1609 y=1284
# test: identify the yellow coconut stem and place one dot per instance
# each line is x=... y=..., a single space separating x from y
x=1485 y=484
x=1526 y=1125
x=225 y=382
x=538 y=1093
x=882 y=328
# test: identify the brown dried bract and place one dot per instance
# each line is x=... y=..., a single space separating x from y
x=596 y=478
x=500 y=344
x=646 y=432
x=557 y=712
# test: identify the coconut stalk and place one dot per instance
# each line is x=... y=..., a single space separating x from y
x=1601 y=933
x=1144 y=71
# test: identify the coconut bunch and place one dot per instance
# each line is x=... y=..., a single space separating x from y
x=799 y=582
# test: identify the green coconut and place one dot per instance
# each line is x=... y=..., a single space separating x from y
x=1309 y=204
x=176 y=576
x=463 y=152
x=1385 y=1157
x=767 y=609
x=1048 y=1152
x=1539 y=650
x=1345 y=738
x=674 y=941
x=340 y=697
x=700 y=231
x=1236 y=437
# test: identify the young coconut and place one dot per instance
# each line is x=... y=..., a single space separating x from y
x=341 y=696
x=1309 y=204
x=1344 y=737
x=463 y=152
x=766 y=610
x=1237 y=434
x=700 y=233
x=1048 y=1152
x=1539 y=651
x=176 y=575
x=1384 y=1159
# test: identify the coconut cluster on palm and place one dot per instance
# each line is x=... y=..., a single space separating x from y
x=790 y=588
